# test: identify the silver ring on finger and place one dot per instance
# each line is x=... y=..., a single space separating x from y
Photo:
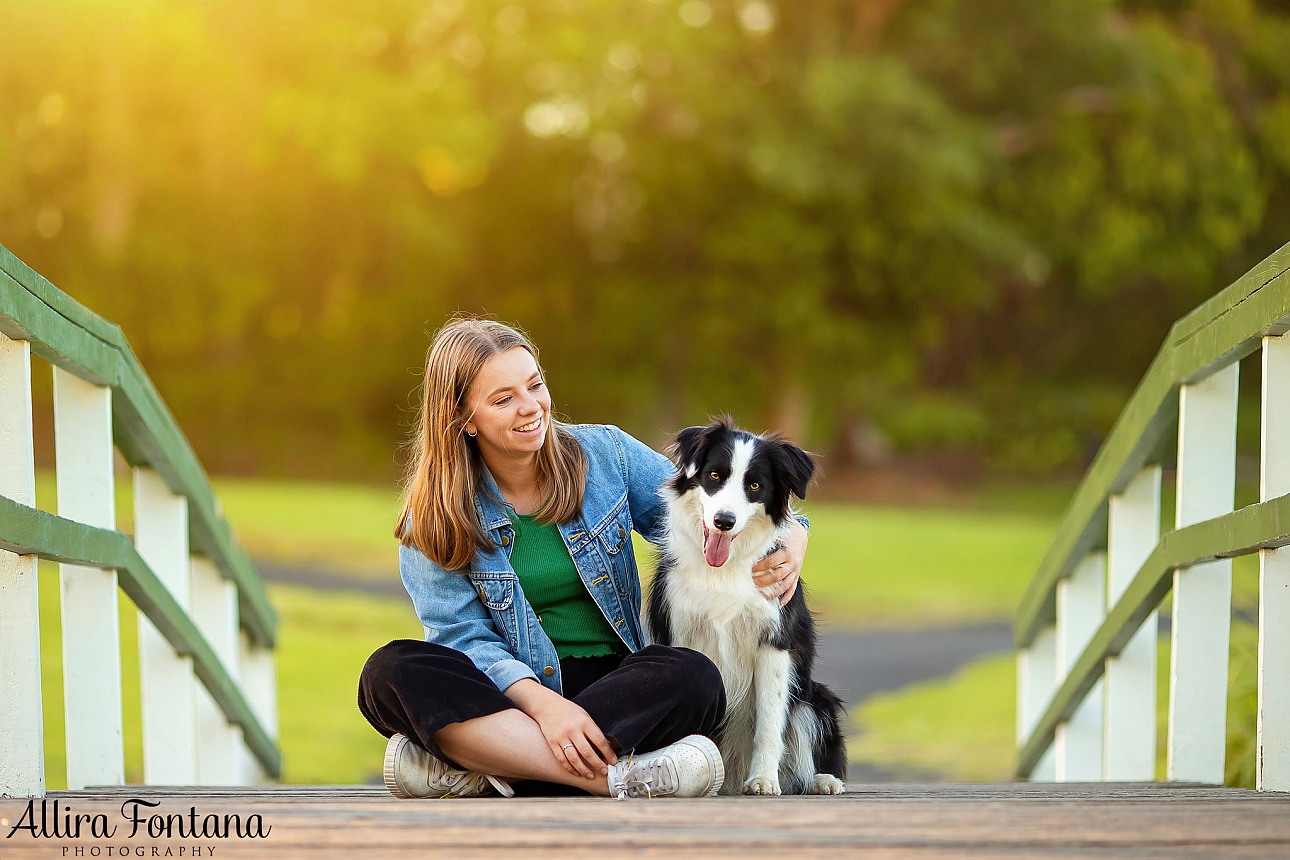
x=566 y=746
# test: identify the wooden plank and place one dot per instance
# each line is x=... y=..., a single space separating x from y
x=166 y=677
x=1202 y=595
x=1272 y=756
x=260 y=681
x=1035 y=685
x=1036 y=679
x=58 y=300
x=88 y=595
x=219 y=742
x=1081 y=607
x=1233 y=330
x=31 y=532
x=1250 y=529
x=872 y=821
x=22 y=744
x=1129 y=746
x=1276 y=264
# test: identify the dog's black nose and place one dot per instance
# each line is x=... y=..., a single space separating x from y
x=724 y=520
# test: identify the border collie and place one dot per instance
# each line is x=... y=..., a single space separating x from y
x=728 y=506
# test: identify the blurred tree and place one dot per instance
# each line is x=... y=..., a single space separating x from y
x=968 y=226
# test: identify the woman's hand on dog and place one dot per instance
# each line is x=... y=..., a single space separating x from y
x=573 y=736
x=777 y=574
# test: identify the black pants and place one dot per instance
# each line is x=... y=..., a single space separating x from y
x=643 y=701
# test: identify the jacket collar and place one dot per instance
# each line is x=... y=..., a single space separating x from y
x=488 y=500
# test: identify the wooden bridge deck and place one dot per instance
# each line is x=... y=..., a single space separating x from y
x=874 y=821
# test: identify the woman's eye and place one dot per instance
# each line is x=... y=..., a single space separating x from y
x=714 y=476
x=535 y=386
x=754 y=486
x=503 y=401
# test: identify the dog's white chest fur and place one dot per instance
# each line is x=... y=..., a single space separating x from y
x=725 y=619
x=721 y=613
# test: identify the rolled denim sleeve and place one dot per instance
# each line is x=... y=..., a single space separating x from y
x=645 y=472
x=453 y=616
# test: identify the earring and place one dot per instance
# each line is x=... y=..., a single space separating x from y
x=471 y=435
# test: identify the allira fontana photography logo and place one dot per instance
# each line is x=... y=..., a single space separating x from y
x=139 y=819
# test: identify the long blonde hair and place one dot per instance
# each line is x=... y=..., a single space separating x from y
x=439 y=516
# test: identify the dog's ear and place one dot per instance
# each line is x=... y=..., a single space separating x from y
x=685 y=446
x=798 y=467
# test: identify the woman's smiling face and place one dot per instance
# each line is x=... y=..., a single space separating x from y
x=509 y=403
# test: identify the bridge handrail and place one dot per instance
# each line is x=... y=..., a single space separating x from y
x=78 y=341
x=1200 y=350
x=69 y=335
x=1225 y=328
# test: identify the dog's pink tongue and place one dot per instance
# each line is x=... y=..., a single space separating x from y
x=716 y=547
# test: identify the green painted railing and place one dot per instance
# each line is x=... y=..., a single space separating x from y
x=71 y=337
x=1252 y=313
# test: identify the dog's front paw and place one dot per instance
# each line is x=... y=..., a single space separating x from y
x=827 y=783
x=762 y=785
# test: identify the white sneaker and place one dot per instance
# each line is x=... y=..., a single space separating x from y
x=691 y=767
x=411 y=771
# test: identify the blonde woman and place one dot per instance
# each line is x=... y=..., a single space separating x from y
x=516 y=550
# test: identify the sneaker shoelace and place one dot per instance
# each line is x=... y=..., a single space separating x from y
x=649 y=777
x=466 y=779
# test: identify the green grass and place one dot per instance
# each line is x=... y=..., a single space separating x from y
x=867 y=565
x=962 y=728
x=341 y=526
x=345 y=527
x=324 y=640
x=906 y=565
x=959 y=728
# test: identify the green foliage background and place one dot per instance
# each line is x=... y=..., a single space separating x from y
x=965 y=225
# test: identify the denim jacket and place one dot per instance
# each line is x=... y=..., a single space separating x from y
x=481 y=610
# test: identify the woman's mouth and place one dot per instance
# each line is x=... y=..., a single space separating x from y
x=531 y=428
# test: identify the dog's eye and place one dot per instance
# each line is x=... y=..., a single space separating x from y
x=754 y=486
x=714 y=476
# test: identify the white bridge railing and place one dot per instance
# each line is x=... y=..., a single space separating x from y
x=206 y=627
x=1086 y=630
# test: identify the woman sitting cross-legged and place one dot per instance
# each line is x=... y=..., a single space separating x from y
x=517 y=553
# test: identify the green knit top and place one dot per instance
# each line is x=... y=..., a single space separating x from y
x=557 y=594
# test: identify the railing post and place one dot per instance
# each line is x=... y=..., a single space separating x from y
x=260 y=687
x=91 y=632
x=219 y=743
x=1129 y=746
x=1036 y=681
x=22 y=734
x=166 y=679
x=1272 y=761
x=1081 y=606
x=1202 y=593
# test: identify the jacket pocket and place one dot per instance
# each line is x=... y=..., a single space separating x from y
x=496 y=592
x=615 y=537
x=616 y=533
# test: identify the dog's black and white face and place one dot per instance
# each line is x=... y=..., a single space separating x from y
x=735 y=479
